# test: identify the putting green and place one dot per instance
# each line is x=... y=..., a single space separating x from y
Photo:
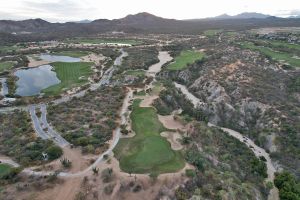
x=70 y=74
x=147 y=151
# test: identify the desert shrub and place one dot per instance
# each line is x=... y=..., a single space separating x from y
x=66 y=163
x=54 y=152
x=107 y=175
x=289 y=187
x=17 y=139
x=109 y=189
x=190 y=173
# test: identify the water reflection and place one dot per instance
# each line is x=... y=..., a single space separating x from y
x=57 y=58
x=32 y=81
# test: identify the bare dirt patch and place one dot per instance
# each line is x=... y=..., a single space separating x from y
x=35 y=63
x=173 y=138
x=148 y=100
x=170 y=123
x=97 y=59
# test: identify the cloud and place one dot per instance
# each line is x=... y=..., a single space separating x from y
x=74 y=10
x=287 y=13
x=60 y=10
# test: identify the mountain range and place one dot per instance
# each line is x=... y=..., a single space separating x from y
x=138 y=23
x=245 y=15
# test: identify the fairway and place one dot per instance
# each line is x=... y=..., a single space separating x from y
x=4 y=169
x=76 y=54
x=279 y=44
x=5 y=66
x=147 y=151
x=275 y=55
x=184 y=59
x=70 y=74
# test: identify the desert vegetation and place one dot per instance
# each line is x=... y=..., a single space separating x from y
x=19 y=141
x=90 y=120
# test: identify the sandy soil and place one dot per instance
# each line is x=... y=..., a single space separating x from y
x=64 y=191
x=35 y=63
x=79 y=161
x=163 y=58
x=148 y=100
x=174 y=139
x=93 y=58
x=170 y=123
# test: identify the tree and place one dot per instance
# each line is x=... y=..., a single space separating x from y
x=289 y=187
x=54 y=152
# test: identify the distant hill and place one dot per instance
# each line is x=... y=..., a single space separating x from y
x=138 y=23
x=294 y=17
x=245 y=15
x=85 y=21
x=25 y=25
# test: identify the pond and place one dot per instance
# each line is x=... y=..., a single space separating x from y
x=58 y=58
x=32 y=81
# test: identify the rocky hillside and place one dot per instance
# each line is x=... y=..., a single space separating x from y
x=243 y=90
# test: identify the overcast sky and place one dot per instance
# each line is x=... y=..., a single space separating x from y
x=73 y=10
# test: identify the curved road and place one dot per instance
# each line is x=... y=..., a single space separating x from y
x=113 y=143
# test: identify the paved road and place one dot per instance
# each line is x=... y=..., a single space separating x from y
x=42 y=128
x=57 y=137
x=100 y=159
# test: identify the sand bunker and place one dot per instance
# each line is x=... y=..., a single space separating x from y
x=174 y=138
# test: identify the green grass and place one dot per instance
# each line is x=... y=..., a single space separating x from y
x=275 y=55
x=5 y=66
x=76 y=54
x=69 y=74
x=184 y=58
x=141 y=93
x=158 y=87
x=212 y=32
x=147 y=151
x=9 y=48
x=231 y=33
x=105 y=40
x=275 y=44
x=4 y=169
x=135 y=72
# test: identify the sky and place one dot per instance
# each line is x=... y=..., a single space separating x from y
x=75 y=10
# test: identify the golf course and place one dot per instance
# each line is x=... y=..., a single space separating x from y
x=275 y=55
x=185 y=58
x=5 y=66
x=70 y=74
x=147 y=151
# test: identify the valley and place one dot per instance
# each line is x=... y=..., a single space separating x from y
x=212 y=115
